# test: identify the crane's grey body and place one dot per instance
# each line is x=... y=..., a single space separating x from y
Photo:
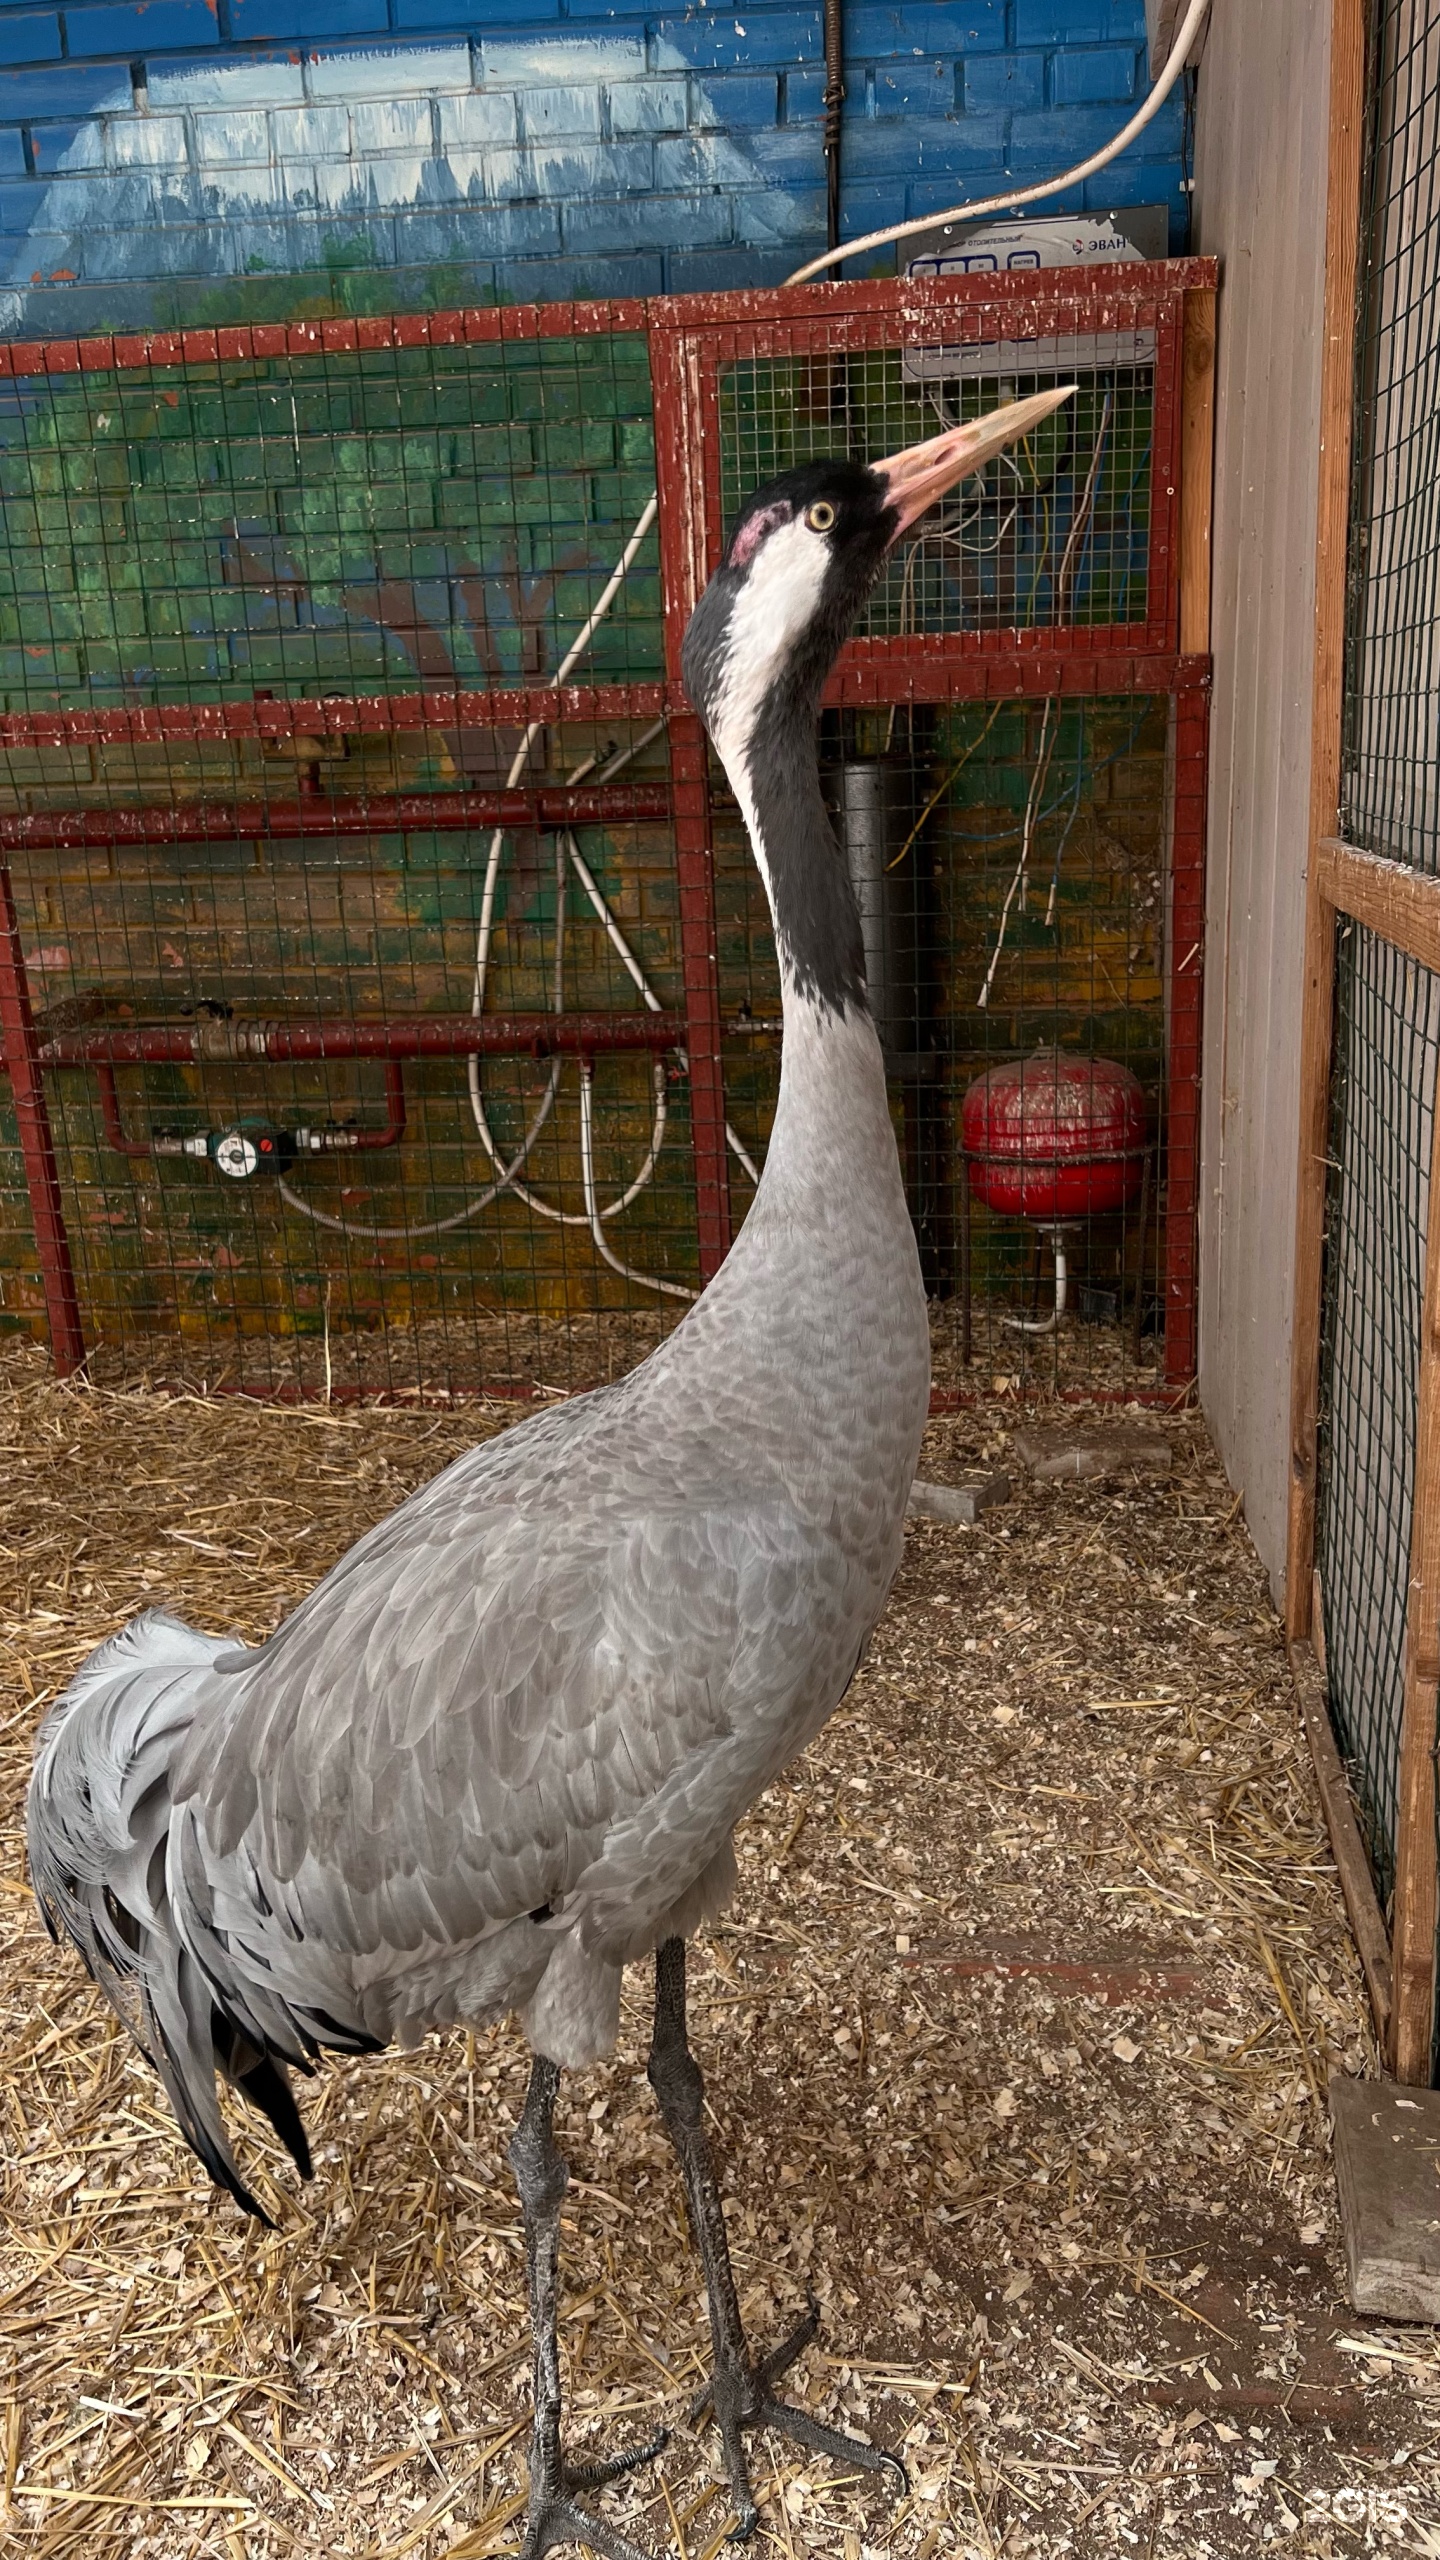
x=500 y=1751
x=559 y=1673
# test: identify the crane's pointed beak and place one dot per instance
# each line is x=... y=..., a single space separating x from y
x=916 y=478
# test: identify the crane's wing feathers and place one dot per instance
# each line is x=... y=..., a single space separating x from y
x=514 y=1697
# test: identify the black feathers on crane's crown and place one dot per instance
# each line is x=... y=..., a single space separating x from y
x=863 y=523
x=846 y=507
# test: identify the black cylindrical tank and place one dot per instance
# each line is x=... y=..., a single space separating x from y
x=875 y=814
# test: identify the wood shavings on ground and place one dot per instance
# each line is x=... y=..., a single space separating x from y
x=516 y=1350
x=1015 y=2041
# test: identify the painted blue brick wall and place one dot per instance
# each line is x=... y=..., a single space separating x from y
x=161 y=160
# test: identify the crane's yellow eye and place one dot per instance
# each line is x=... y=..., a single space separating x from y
x=821 y=516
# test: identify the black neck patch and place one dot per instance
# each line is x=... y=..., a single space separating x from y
x=817 y=922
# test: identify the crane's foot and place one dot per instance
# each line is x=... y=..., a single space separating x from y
x=742 y=2398
x=554 y=2520
x=741 y=2393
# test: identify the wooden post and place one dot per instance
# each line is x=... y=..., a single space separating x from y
x=1342 y=237
x=1356 y=1881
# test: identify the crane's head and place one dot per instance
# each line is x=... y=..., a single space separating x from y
x=803 y=557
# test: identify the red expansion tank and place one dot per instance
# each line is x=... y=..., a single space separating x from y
x=1054 y=1136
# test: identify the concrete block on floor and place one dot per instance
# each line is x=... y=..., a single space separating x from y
x=1387 y=2169
x=962 y=1504
x=1065 y=1451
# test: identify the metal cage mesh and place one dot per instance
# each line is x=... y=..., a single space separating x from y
x=1386 y=1057
x=1391 y=771
x=344 y=521
x=1387 y=1022
x=365 y=992
x=1051 y=534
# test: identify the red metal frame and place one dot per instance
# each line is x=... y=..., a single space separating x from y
x=319 y=813
x=691 y=338
x=37 y=1143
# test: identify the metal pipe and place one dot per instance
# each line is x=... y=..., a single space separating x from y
x=429 y=1035
x=115 y=1133
x=875 y=806
x=392 y=1129
x=323 y=1141
x=383 y=813
x=833 y=101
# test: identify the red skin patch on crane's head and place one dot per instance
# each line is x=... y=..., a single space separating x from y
x=752 y=533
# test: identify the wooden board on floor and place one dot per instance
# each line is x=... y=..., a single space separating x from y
x=1387 y=2168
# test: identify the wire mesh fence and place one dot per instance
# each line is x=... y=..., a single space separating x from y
x=1387 y=1051
x=344 y=520
x=285 y=1150
x=404 y=1001
x=1390 y=799
x=1051 y=534
x=1387 y=1013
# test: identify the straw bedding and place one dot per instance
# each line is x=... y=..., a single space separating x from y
x=1016 y=2045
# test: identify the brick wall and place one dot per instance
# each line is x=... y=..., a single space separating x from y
x=183 y=160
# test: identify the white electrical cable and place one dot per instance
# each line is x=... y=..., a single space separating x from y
x=1175 y=63
x=670 y=1288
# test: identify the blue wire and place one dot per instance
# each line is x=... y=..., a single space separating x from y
x=1083 y=774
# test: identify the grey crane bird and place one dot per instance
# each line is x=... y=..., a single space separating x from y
x=499 y=1752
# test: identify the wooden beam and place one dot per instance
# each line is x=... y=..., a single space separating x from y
x=1197 y=471
x=1338 y=1805
x=1401 y=905
x=1387 y=2151
x=1342 y=235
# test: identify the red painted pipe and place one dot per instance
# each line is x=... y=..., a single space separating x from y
x=426 y=1035
x=356 y=814
x=388 y=1134
x=37 y=1144
x=392 y=1130
x=110 y=1113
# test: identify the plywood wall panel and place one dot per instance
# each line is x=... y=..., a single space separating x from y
x=1260 y=205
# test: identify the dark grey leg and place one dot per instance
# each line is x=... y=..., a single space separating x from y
x=742 y=2391
x=542 y=2178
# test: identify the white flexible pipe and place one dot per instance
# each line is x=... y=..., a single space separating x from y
x=1050 y=1323
x=1175 y=64
x=669 y=1288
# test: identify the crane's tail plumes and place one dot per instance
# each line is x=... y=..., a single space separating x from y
x=99 y=1819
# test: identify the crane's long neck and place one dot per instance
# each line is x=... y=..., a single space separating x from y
x=820 y=1308
x=832 y=1127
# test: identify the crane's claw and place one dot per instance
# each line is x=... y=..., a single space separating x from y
x=743 y=2400
x=596 y=2475
x=555 y=2518
x=558 y=2520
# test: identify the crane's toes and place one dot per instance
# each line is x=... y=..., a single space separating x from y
x=556 y=2523
x=801 y=2428
x=747 y=2400
x=594 y=2475
x=770 y=2368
